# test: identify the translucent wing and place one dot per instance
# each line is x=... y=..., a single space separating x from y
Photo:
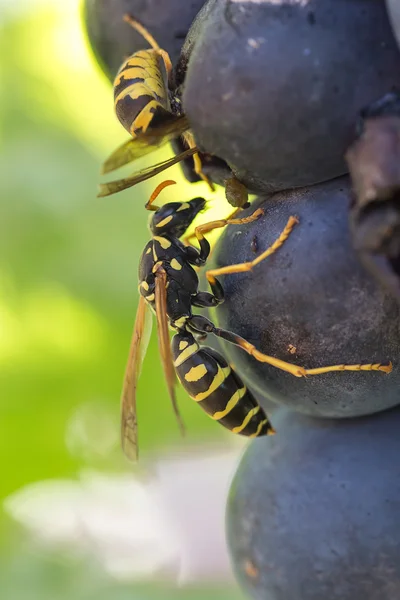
x=145 y=143
x=164 y=341
x=139 y=343
x=112 y=187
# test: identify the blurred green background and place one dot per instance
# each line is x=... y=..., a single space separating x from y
x=68 y=297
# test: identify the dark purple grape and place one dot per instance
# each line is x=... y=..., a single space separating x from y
x=313 y=512
x=313 y=295
x=394 y=13
x=275 y=88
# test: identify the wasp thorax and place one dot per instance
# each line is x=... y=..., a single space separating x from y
x=175 y=217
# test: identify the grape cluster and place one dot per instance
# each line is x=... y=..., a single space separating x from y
x=299 y=100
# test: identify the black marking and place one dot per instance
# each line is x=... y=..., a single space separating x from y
x=180 y=35
x=161 y=116
x=124 y=84
x=128 y=109
x=254 y=245
x=131 y=64
x=311 y=18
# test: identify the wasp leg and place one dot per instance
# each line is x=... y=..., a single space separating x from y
x=151 y=40
x=198 y=169
x=194 y=256
x=201 y=230
x=201 y=324
x=199 y=258
x=206 y=300
x=218 y=224
x=204 y=253
x=248 y=266
x=141 y=29
x=217 y=291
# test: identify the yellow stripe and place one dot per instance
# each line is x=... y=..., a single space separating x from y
x=164 y=243
x=219 y=378
x=150 y=87
x=156 y=86
x=179 y=323
x=230 y=405
x=249 y=416
x=143 y=58
x=261 y=425
x=133 y=71
x=145 y=285
x=151 y=61
x=129 y=73
x=150 y=298
x=134 y=91
x=183 y=206
x=165 y=221
x=183 y=344
x=196 y=373
x=175 y=265
x=157 y=266
x=143 y=119
x=189 y=351
x=128 y=63
x=151 y=71
x=147 y=54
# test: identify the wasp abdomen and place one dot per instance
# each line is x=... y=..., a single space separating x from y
x=141 y=90
x=210 y=381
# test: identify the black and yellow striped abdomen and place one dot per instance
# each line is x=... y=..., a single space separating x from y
x=210 y=381
x=141 y=91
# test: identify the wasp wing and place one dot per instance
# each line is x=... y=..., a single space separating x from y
x=164 y=341
x=112 y=187
x=145 y=143
x=139 y=343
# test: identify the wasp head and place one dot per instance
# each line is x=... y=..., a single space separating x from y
x=174 y=218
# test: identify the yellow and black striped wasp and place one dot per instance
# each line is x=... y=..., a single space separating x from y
x=148 y=106
x=169 y=285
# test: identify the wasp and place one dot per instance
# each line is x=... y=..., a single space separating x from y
x=147 y=104
x=169 y=285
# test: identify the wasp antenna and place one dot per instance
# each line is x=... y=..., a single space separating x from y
x=149 y=205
